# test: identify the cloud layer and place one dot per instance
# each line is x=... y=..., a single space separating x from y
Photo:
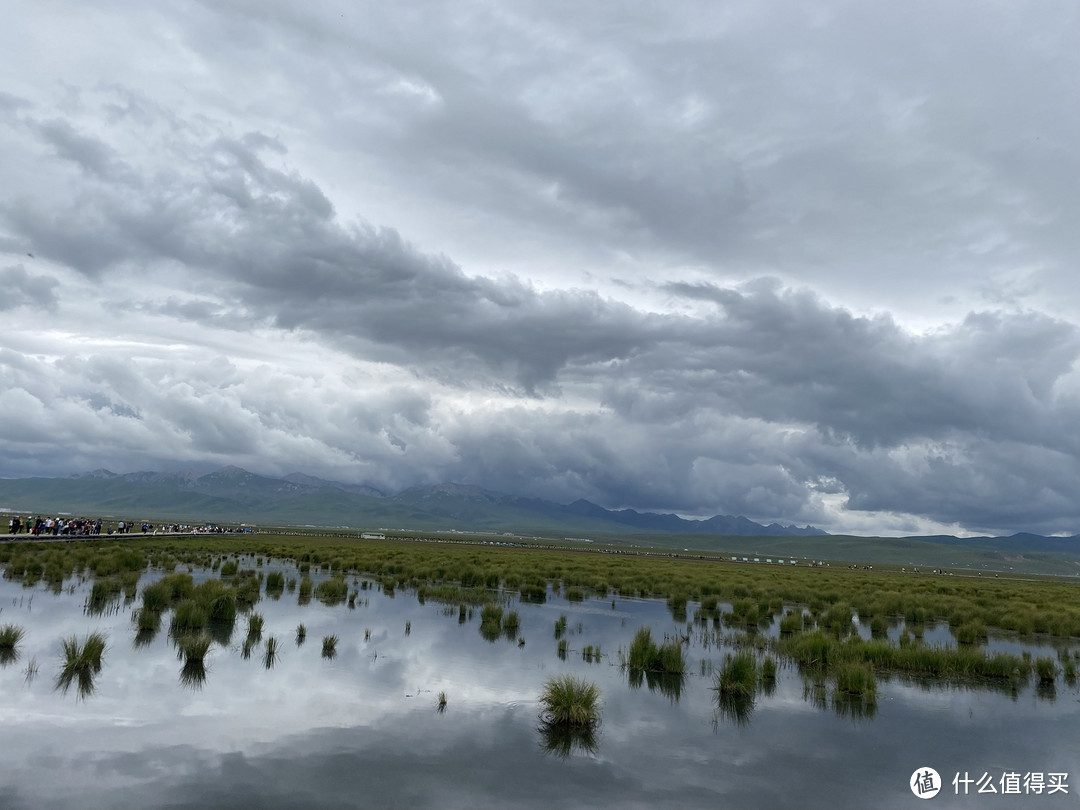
x=804 y=266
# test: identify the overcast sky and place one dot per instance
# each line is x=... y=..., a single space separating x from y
x=813 y=262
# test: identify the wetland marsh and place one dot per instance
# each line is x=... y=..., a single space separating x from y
x=277 y=672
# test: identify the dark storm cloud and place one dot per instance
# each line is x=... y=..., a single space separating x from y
x=681 y=392
x=630 y=255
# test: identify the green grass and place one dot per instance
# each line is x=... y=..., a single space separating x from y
x=569 y=701
x=854 y=679
x=156 y=596
x=301 y=634
x=823 y=652
x=491 y=614
x=511 y=622
x=11 y=635
x=255 y=626
x=329 y=646
x=1046 y=669
x=81 y=662
x=193 y=649
x=275 y=583
x=188 y=617
x=270 y=652
x=332 y=591
x=646 y=656
x=560 y=626
x=739 y=674
x=441 y=701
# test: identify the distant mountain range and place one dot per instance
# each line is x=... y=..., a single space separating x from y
x=234 y=494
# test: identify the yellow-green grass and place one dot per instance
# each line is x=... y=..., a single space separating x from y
x=1038 y=606
x=569 y=701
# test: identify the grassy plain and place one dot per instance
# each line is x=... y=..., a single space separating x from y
x=816 y=605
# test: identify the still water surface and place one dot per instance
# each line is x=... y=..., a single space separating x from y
x=363 y=729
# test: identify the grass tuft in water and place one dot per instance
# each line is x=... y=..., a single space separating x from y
x=442 y=701
x=255 y=626
x=739 y=675
x=855 y=680
x=329 y=646
x=193 y=649
x=11 y=635
x=81 y=663
x=646 y=656
x=569 y=701
x=270 y=654
x=1046 y=669
x=301 y=634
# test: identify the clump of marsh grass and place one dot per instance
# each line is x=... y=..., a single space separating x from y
x=563 y=644
x=560 y=626
x=511 y=622
x=188 y=617
x=11 y=636
x=222 y=609
x=491 y=621
x=646 y=656
x=193 y=649
x=255 y=626
x=332 y=591
x=491 y=614
x=31 y=670
x=303 y=595
x=972 y=632
x=569 y=701
x=329 y=646
x=855 y=680
x=270 y=653
x=739 y=675
x=81 y=663
x=146 y=620
x=301 y=634
x=441 y=702
x=246 y=648
x=1046 y=669
x=156 y=596
x=408 y=627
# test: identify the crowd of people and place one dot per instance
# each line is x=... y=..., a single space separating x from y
x=41 y=526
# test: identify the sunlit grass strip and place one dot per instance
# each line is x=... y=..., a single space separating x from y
x=569 y=701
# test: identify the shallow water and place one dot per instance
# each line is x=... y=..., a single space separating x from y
x=363 y=729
